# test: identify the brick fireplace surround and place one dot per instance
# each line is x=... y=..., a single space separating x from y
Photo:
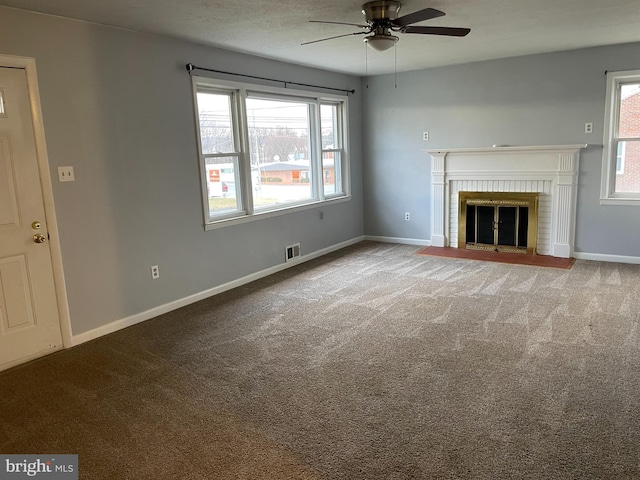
x=550 y=170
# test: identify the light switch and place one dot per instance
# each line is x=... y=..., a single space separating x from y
x=65 y=174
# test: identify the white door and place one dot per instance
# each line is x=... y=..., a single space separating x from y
x=29 y=319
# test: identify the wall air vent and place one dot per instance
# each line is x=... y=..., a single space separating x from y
x=291 y=252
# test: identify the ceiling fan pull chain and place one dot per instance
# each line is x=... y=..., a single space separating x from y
x=366 y=64
x=395 y=65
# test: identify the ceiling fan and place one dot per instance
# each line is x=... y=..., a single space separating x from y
x=382 y=19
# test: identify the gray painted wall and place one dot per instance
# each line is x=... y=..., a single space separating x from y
x=532 y=100
x=118 y=107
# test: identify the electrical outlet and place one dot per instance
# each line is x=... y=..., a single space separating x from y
x=588 y=127
x=155 y=272
x=425 y=136
x=65 y=174
x=407 y=216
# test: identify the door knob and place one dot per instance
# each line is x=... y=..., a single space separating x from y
x=39 y=238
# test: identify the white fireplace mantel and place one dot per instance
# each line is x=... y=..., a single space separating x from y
x=550 y=170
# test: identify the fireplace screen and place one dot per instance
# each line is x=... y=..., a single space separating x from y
x=498 y=221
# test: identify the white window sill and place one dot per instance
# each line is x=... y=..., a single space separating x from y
x=215 y=224
x=620 y=201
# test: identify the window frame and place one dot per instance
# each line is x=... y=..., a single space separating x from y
x=312 y=107
x=608 y=195
x=239 y=92
x=339 y=149
x=237 y=153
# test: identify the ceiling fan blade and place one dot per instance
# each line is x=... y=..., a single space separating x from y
x=419 y=16
x=339 y=23
x=337 y=36
x=448 y=31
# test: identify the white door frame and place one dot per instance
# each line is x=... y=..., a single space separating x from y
x=29 y=65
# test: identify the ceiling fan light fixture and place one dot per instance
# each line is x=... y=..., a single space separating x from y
x=381 y=42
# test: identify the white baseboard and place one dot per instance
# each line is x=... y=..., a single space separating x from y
x=168 y=307
x=401 y=240
x=603 y=257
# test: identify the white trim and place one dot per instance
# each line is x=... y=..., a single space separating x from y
x=168 y=307
x=275 y=213
x=548 y=169
x=619 y=201
x=604 y=257
x=506 y=148
x=400 y=240
x=29 y=65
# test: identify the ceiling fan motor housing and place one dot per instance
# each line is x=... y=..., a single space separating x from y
x=381 y=10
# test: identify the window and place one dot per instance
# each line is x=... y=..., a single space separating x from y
x=330 y=118
x=280 y=147
x=220 y=153
x=621 y=152
x=267 y=150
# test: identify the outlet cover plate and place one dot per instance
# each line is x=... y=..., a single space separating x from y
x=65 y=174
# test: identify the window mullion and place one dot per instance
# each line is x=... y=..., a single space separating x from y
x=206 y=156
x=343 y=137
x=316 y=153
x=613 y=146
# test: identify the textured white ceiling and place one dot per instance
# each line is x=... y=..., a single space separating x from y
x=499 y=28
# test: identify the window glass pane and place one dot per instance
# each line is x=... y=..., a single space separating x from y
x=280 y=151
x=222 y=187
x=214 y=114
x=330 y=172
x=329 y=126
x=628 y=167
x=629 y=119
x=620 y=157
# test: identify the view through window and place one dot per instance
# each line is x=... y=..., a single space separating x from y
x=280 y=151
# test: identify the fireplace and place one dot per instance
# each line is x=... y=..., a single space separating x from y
x=498 y=221
x=550 y=172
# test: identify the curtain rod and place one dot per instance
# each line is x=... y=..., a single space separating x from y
x=191 y=67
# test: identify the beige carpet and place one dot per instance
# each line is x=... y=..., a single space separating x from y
x=369 y=363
